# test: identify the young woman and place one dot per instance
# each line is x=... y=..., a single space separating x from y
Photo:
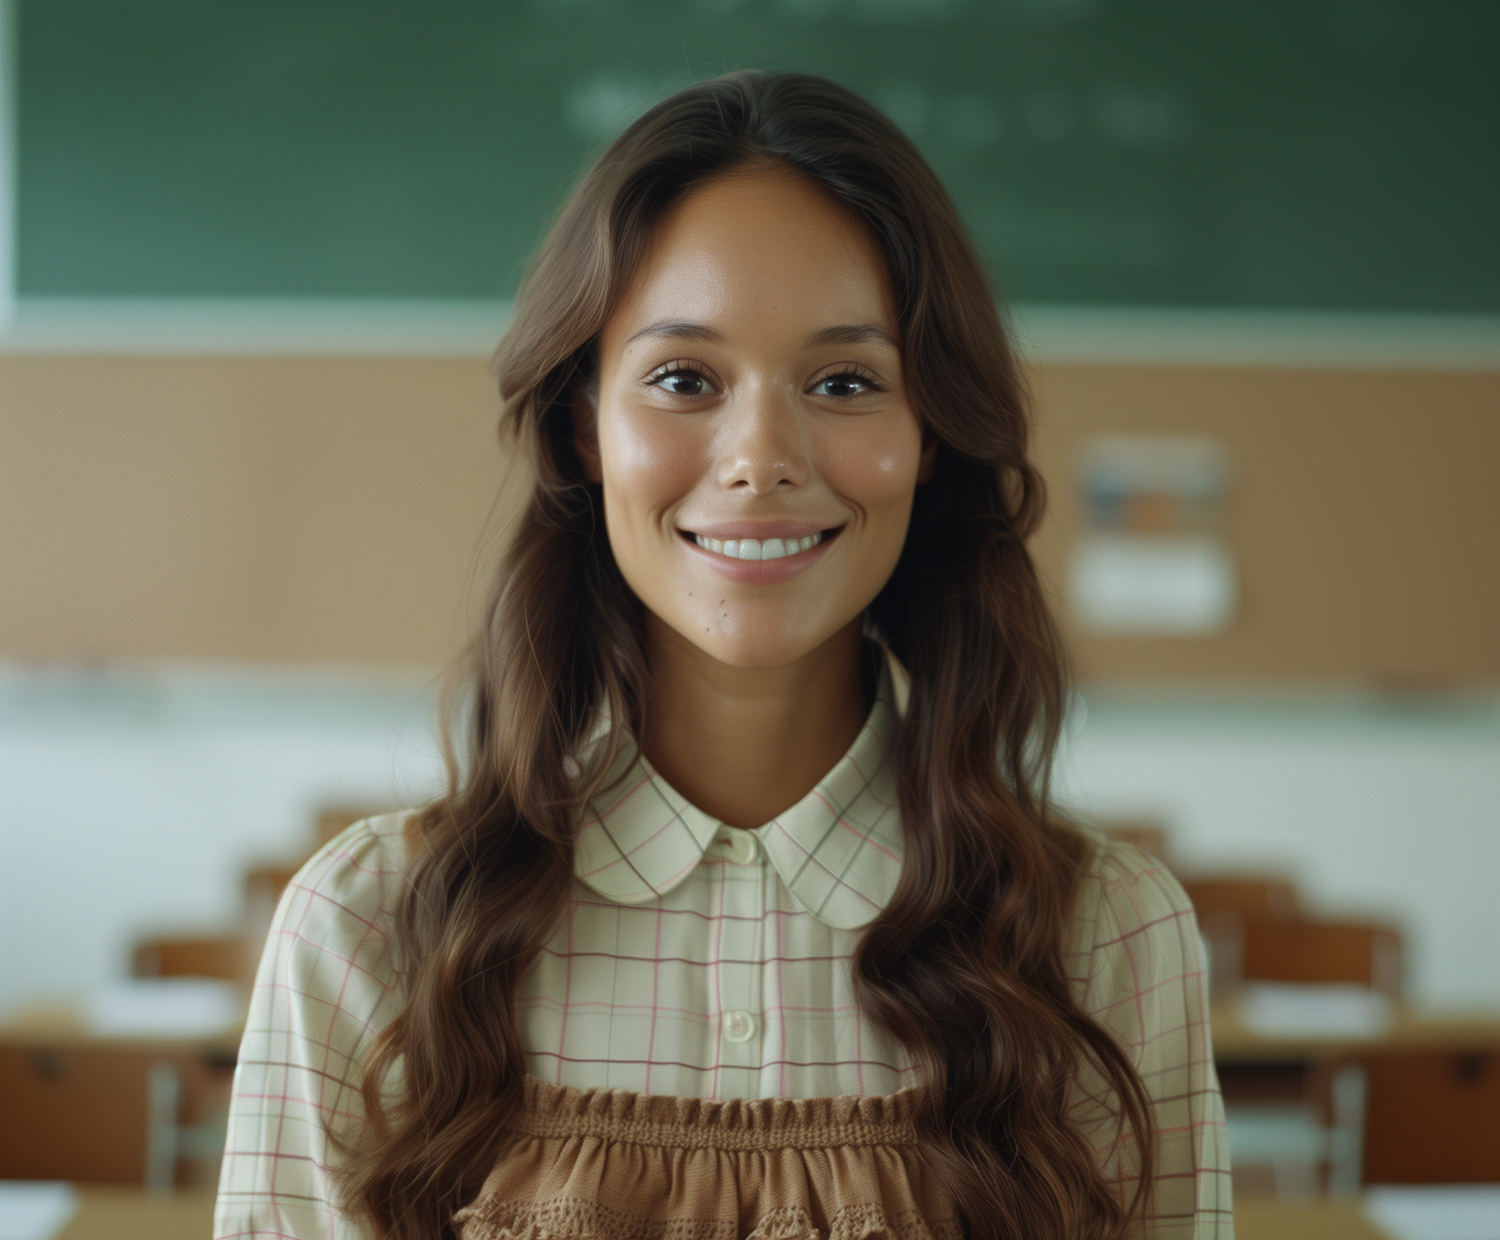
x=746 y=913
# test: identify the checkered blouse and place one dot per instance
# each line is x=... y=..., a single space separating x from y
x=701 y=960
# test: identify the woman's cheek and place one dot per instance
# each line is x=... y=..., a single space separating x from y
x=876 y=471
x=650 y=463
x=642 y=445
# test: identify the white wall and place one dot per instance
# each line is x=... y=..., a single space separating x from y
x=131 y=800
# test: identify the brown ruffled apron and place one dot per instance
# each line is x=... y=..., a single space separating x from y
x=608 y=1164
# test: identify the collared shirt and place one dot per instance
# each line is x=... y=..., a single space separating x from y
x=703 y=960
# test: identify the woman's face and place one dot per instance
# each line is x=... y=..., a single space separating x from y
x=753 y=435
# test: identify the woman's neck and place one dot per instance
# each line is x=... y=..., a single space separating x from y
x=745 y=744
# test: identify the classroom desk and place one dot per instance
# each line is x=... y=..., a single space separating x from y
x=63 y=1024
x=1416 y=1104
x=130 y=1214
x=77 y=1106
x=1234 y=1042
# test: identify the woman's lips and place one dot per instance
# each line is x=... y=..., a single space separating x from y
x=745 y=560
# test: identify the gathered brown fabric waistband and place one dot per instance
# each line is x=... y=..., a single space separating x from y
x=665 y=1120
x=609 y=1164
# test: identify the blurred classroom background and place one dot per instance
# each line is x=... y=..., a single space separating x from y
x=253 y=259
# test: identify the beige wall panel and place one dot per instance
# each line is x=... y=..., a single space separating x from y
x=334 y=510
x=286 y=509
x=1364 y=518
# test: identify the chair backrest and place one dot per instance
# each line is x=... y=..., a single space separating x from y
x=1430 y=1117
x=1277 y=950
x=265 y=883
x=1244 y=895
x=336 y=818
x=230 y=957
x=1144 y=833
x=1224 y=903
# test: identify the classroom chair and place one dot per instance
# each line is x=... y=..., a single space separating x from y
x=1291 y=1140
x=1275 y=949
x=1244 y=895
x=1284 y=1133
x=1223 y=904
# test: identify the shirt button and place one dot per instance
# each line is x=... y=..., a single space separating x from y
x=738 y=1026
x=737 y=846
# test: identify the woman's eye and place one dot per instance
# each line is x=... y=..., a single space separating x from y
x=849 y=384
x=681 y=382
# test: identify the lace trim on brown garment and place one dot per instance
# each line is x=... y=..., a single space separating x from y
x=588 y=1220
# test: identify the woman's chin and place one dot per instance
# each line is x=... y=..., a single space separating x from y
x=752 y=642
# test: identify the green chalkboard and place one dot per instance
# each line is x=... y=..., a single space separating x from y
x=1280 y=154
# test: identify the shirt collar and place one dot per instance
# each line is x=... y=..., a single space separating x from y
x=838 y=850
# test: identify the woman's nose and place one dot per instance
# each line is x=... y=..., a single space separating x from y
x=764 y=447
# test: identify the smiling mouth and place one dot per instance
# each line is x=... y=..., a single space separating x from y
x=761 y=548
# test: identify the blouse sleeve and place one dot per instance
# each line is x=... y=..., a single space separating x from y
x=1137 y=965
x=326 y=985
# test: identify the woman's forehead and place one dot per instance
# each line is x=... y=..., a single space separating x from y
x=757 y=248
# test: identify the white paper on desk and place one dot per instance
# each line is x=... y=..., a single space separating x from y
x=1309 y=1009
x=1436 y=1211
x=175 y=1007
x=35 y=1209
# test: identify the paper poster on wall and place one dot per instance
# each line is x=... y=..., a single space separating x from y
x=1152 y=559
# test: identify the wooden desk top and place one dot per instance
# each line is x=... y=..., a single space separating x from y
x=62 y=1025
x=132 y=1214
x=1268 y=1219
x=1234 y=1042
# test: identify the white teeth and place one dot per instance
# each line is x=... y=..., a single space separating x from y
x=756 y=549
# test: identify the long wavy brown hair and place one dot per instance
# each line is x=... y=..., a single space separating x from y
x=965 y=965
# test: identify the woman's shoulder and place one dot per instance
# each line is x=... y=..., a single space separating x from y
x=1128 y=906
x=1136 y=965
x=327 y=984
x=337 y=913
x=360 y=868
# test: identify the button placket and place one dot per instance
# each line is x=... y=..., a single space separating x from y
x=740 y=967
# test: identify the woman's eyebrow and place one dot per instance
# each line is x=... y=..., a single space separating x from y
x=845 y=333
x=669 y=329
x=852 y=333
